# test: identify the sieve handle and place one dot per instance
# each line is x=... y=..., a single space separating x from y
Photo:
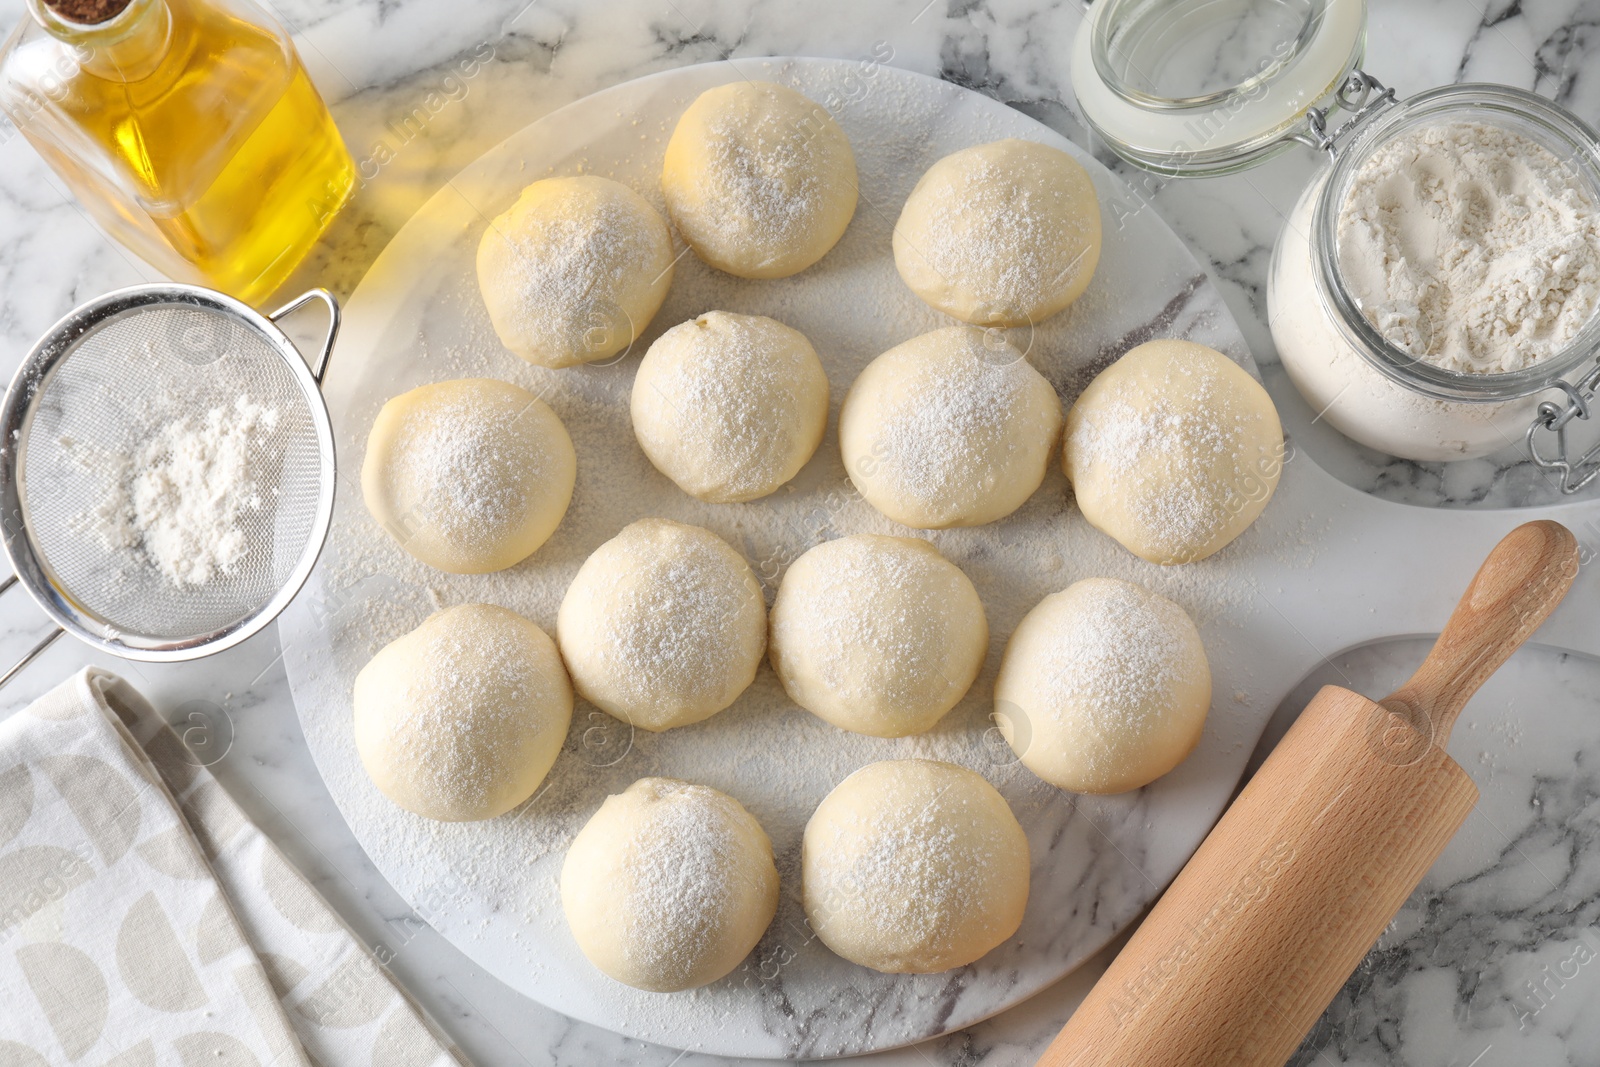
x=32 y=653
x=319 y=366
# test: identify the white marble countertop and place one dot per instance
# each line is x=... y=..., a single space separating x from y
x=1487 y=964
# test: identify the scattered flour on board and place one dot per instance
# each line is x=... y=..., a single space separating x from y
x=765 y=752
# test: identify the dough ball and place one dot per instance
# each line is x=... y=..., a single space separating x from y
x=1002 y=234
x=759 y=180
x=669 y=886
x=953 y=428
x=1104 y=687
x=879 y=635
x=470 y=476
x=575 y=270
x=462 y=717
x=663 y=626
x=914 y=866
x=730 y=406
x=1173 y=450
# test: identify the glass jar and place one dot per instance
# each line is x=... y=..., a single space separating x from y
x=188 y=130
x=1292 y=66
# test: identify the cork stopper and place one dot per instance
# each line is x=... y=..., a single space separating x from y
x=88 y=12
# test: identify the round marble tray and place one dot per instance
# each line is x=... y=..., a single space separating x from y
x=1318 y=573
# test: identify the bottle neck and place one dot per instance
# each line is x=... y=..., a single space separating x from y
x=126 y=47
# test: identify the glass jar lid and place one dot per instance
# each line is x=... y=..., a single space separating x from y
x=1187 y=88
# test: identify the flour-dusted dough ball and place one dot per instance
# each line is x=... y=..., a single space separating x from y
x=663 y=626
x=759 y=180
x=914 y=866
x=1104 y=687
x=462 y=717
x=879 y=635
x=574 y=270
x=953 y=428
x=1002 y=234
x=469 y=476
x=1173 y=450
x=669 y=886
x=730 y=406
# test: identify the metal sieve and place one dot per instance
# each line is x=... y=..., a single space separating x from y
x=104 y=381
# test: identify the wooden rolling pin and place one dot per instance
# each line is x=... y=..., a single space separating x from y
x=1297 y=880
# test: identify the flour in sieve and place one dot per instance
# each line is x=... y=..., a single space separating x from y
x=184 y=497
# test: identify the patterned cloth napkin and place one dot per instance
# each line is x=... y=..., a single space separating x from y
x=145 y=920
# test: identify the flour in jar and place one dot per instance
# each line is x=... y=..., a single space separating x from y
x=1472 y=247
x=184 y=496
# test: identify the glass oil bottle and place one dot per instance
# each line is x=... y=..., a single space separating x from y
x=187 y=129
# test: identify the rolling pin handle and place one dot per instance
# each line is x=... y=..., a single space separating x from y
x=1516 y=589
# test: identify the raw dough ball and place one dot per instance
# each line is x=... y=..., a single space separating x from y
x=575 y=270
x=953 y=428
x=1104 y=687
x=462 y=717
x=1173 y=450
x=1002 y=234
x=879 y=635
x=730 y=406
x=663 y=626
x=669 y=886
x=914 y=866
x=469 y=476
x=759 y=180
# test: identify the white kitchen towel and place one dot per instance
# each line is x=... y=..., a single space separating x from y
x=145 y=921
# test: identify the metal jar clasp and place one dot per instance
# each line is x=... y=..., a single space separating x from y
x=1553 y=417
x=1361 y=96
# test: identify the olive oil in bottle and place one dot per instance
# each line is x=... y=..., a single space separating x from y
x=187 y=129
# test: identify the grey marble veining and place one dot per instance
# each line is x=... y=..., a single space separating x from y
x=1496 y=960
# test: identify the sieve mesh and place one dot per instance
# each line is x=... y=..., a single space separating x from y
x=126 y=378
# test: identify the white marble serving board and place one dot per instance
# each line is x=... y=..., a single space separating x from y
x=1326 y=568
